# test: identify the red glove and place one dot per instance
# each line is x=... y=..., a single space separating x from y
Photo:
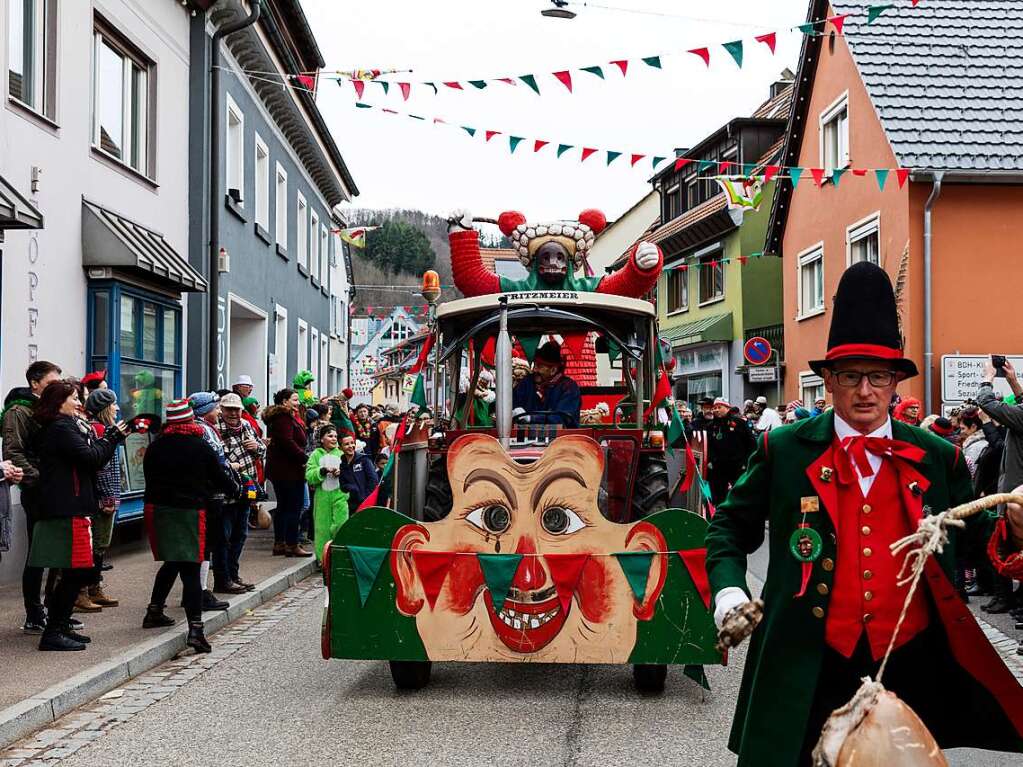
x=471 y=277
x=631 y=280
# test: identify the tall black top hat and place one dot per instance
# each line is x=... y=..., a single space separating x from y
x=865 y=322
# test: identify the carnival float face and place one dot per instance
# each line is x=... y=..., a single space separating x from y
x=548 y=507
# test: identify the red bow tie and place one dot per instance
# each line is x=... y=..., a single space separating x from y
x=857 y=447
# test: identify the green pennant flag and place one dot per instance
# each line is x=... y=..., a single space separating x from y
x=636 y=566
x=795 y=174
x=417 y=117
x=882 y=177
x=614 y=351
x=360 y=105
x=735 y=48
x=807 y=29
x=874 y=11
x=657 y=161
x=697 y=674
x=419 y=393
x=562 y=148
x=481 y=84
x=595 y=71
x=531 y=82
x=836 y=175
x=498 y=572
x=529 y=343
x=366 y=562
x=513 y=142
x=748 y=168
x=384 y=84
x=435 y=90
x=470 y=131
x=676 y=429
x=705 y=165
x=653 y=61
x=612 y=156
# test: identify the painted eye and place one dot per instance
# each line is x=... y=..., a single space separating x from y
x=557 y=520
x=491 y=519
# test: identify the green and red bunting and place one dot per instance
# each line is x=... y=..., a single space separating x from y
x=175 y=535
x=366 y=563
x=565 y=570
x=498 y=572
x=695 y=561
x=636 y=566
x=62 y=543
x=432 y=567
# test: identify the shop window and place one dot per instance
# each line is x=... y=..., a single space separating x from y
x=101 y=319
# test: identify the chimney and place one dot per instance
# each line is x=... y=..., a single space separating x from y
x=787 y=78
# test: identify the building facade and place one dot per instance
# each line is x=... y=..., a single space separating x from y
x=279 y=180
x=856 y=113
x=371 y=337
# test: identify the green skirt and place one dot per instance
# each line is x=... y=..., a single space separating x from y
x=176 y=535
x=62 y=543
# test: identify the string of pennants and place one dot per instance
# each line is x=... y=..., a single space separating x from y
x=499 y=570
x=382 y=312
x=735 y=48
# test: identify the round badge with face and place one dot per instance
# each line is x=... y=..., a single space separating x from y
x=805 y=544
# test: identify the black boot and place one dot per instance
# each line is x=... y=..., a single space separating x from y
x=156 y=618
x=997 y=606
x=58 y=642
x=70 y=633
x=196 y=638
x=210 y=602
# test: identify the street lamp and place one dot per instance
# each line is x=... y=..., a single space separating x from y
x=559 y=11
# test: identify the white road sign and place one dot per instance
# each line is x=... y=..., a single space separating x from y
x=962 y=375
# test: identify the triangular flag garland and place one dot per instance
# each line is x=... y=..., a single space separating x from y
x=636 y=566
x=735 y=49
x=698 y=675
x=433 y=567
x=498 y=572
x=366 y=562
x=565 y=570
x=695 y=561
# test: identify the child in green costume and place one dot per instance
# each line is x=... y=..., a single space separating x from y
x=330 y=502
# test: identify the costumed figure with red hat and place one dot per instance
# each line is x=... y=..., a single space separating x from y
x=835 y=492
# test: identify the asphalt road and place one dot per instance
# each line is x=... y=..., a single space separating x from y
x=275 y=702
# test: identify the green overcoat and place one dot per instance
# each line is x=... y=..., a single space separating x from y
x=784 y=656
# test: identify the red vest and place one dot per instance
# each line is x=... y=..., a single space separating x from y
x=864 y=594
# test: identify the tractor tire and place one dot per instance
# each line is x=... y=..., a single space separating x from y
x=439 y=500
x=410 y=674
x=649 y=678
x=650 y=493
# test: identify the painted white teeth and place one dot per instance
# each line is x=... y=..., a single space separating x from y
x=534 y=623
x=517 y=624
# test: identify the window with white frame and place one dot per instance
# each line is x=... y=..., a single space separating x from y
x=324 y=256
x=279 y=377
x=864 y=241
x=834 y=128
x=324 y=382
x=678 y=289
x=811 y=388
x=302 y=350
x=314 y=358
x=235 y=158
x=811 y=281
x=337 y=316
x=314 y=245
x=262 y=183
x=281 y=210
x=32 y=54
x=712 y=278
x=122 y=100
x=302 y=225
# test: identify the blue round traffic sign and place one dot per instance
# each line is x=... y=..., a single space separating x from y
x=757 y=351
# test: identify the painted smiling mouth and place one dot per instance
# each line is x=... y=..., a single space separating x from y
x=529 y=622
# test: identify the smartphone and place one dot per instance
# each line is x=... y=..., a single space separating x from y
x=998 y=360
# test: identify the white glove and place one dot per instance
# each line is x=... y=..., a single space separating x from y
x=725 y=600
x=489 y=396
x=647 y=256
x=460 y=221
x=519 y=415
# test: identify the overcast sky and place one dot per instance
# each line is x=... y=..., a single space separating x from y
x=400 y=162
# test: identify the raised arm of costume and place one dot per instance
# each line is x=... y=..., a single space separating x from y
x=737 y=529
x=639 y=274
x=1010 y=416
x=471 y=277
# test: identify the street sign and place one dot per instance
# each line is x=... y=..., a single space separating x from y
x=762 y=375
x=757 y=351
x=962 y=375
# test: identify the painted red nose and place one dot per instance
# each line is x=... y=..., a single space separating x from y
x=530 y=575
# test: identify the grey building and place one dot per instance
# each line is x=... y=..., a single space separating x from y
x=281 y=282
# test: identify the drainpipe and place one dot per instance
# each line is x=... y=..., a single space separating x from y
x=928 y=302
x=215 y=194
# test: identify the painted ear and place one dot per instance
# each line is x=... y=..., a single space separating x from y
x=646 y=537
x=594 y=219
x=509 y=221
x=410 y=597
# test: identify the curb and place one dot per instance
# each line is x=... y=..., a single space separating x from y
x=48 y=706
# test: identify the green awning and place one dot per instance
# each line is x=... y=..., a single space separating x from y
x=717 y=327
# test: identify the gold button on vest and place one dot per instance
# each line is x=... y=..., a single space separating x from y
x=828 y=564
x=818 y=612
x=822 y=589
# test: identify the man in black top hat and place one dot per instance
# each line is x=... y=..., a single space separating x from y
x=836 y=491
x=705 y=418
x=548 y=395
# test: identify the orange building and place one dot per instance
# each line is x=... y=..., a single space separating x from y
x=926 y=89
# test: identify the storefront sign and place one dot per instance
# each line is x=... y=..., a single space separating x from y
x=762 y=375
x=962 y=375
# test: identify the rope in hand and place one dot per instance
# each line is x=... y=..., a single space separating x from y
x=930 y=537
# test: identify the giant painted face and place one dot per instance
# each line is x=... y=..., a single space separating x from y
x=547 y=507
x=552 y=263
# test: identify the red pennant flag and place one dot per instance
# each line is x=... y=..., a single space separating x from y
x=695 y=561
x=859 y=171
x=902 y=174
x=439 y=120
x=724 y=166
x=406 y=88
x=703 y=53
x=508 y=80
x=456 y=85
x=360 y=86
x=424 y=355
x=307 y=81
x=565 y=78
x=818 y=175
x=839 y=22
x=680 y=163
x=491 y=133
x=539 y=144
x=432 y=567
x=662 y=392
x=622 y=65
x=770 y=39
x=587 y=152
x=574 y=343
x=743 y=260
x=770 y=172
x=636 y=158
x=565 y=570
x=385 y=110
x=691 y=470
